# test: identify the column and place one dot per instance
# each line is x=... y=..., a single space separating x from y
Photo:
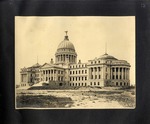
x=114 y=72
x=89 y=73
x=94 y=72
x=118 y=72
x=125 y=73
x=69 y=58
x=129 y=73
x=111 y=73
x=122 y=73
x=53 y=75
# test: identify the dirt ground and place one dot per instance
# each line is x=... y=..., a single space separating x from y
x=83 y=98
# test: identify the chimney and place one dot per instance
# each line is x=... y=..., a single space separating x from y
x=51 y=62
x=79 y=62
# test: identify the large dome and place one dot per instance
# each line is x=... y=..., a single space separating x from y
x=65 y=52
x=66 y=44
x=106 y=56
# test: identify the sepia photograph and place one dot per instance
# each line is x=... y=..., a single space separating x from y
x=75 y=62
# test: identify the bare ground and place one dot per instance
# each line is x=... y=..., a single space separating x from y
x=83 y=98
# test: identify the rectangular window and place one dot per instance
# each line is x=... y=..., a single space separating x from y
x=85 y=71
x=82 y=78
x=113 y=77
x=99 y=76
x=79 y=71
x=91 y=76
x=116 y=76
x=70 y=72
x=95 y=76
x=91 y=83
x=82 y=71
x=85 y=78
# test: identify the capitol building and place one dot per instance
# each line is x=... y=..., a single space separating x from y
x=102 y=71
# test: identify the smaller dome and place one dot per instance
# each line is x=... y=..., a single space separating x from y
x=36 y=65
x=106 y=56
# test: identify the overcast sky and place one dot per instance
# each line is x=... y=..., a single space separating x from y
x=40 y=36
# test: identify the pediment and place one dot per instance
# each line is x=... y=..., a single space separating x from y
x=46 y=65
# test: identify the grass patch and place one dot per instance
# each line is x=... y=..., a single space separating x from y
x=41 y=101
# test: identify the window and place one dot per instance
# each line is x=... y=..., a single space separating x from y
x=91 y=76
x=99 y=76
x=116 y=83
x=98 y=83
x=120 y=83
x=98 y=61
x=95 y=76
x=82 y=71
x=73 y=72
x=113 y=77
x=91 y=62
x=70 y=78
x=79 y=78
x=95 y=62
x=79 y=84
x=124 y=83
x=70 y=72
x=106 y=69
x=85 y=71
x=85 y=78
x=76 y=72
x=116 y=76
x=76 y=78
x=79 y=71
x=73 y=78
x=94 y=83
x=82 y=78
x=85 y=84
x=82 y=84
x=91 y=83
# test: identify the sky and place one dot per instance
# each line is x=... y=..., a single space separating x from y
x=37 y=38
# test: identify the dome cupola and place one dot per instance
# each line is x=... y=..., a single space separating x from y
x=66 y=51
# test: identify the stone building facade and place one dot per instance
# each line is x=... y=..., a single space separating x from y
x=105 y=70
